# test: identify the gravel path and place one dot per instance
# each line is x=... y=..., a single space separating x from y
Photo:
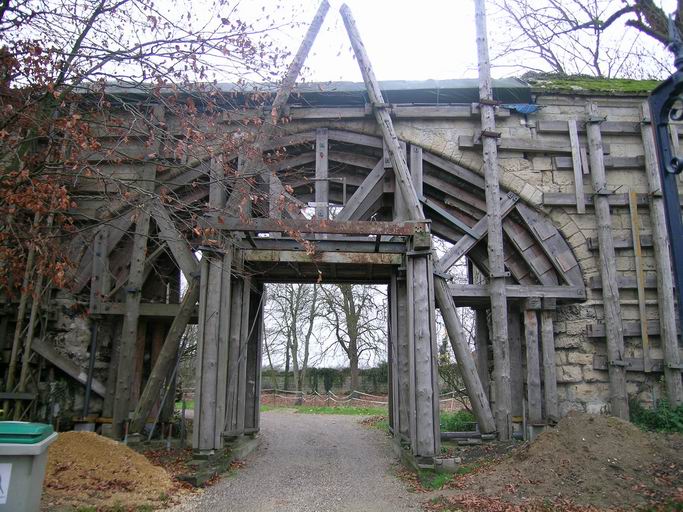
x=310 y=462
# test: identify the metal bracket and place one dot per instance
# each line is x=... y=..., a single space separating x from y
x=486 y=101
x=491 y=134
x=622 y=364
x=672 y=366
x=496 y=276
x=596 y=119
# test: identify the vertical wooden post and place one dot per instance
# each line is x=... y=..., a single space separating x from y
x=403 y=360
x=322 y=186
x=514 y=323
x=533 y=369
x=660 y=240
x=576 y=164
x=481 y=342
x=426 y=436
x=608 y=270
x=234 y=337
x=132 y=309
x=242 y=358
x=392 y=359
x=252 y=408
x=640 y=278
x=549 y=370
x=499 y=335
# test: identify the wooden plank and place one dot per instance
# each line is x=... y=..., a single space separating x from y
x=624 y=282
x=631 y=328
x=481 y=343
x=533 y=368
x=449 y=217
x=454 y=169
x=635 y=364
x=48 y=352
x=180 y=248
x=234 y=337
x=622 y=242
x=357 y=227
x=340 y=257
x=607 y=127
x=610 y=288
x=623 y=163
x=100 y=282
x=322 y=186
x=399 y=208
x=476 y=234
x=132 y=314
x=242 y=357
x=565 y=199
x=496 y=256
x=225 y=322
x=519 y=144
x=664 y=275
x=416 y=170
x=576 y=164
x=199 y=404
x=516 y=370
x=403 y=357
x=549 y=369
x=640 y=277
x=473 y=292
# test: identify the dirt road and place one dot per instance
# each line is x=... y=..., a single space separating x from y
x=315 y=463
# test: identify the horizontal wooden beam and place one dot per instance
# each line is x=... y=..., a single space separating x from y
x=564 y=163
x=370 y=258
x=523 y=145
x=632 y=364
x=631 y=329
x=356 y=227
x=480 y=293
x=621 y=242
x=606 y=128
x=569 y=199
x=624 y=282
x=348 y=244
x=146 y=309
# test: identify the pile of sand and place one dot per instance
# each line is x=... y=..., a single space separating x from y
x=85 y=469
x=596 y=460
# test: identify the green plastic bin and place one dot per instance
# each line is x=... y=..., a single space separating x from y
x=23 y=455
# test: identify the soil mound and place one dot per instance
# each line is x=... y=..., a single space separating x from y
x=85 y=469
x=590 y=460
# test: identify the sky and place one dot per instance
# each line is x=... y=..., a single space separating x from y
x=405 y=39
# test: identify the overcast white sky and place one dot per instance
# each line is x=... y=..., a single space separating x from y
x=406 y=39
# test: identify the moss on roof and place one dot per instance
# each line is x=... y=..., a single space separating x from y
x=588 y=84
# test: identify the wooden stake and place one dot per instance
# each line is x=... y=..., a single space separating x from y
x=499 y=335
x=463 y=355
x=660 y=240
x=608 y=269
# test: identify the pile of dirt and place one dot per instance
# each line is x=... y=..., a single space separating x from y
x=85 y=469
x=590 y=460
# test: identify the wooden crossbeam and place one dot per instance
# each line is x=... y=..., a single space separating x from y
x=357 y=227
x=367 y=192
x=476 y=234
x=180 y=248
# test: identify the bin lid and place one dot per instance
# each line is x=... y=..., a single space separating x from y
x=21 y=432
